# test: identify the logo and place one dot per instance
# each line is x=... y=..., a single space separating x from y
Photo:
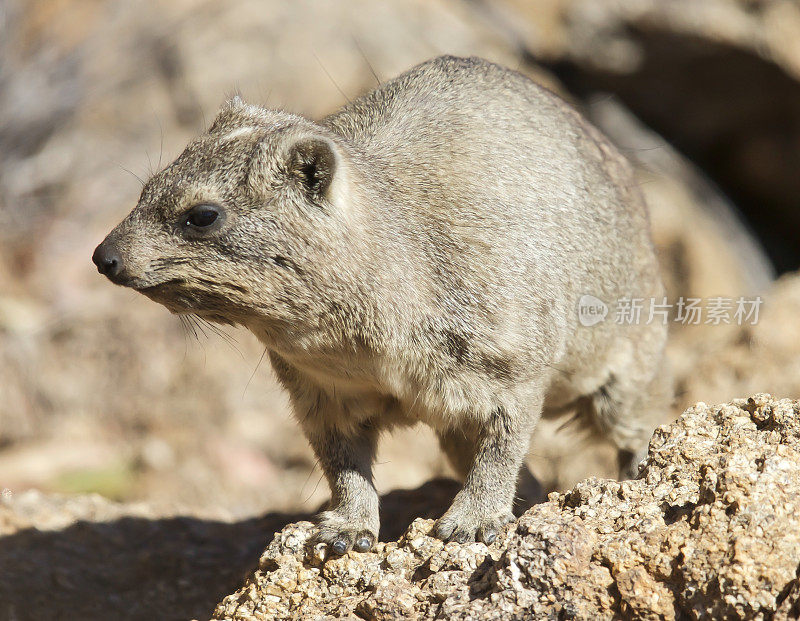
x=591 y=310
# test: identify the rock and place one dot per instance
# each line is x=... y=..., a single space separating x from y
x=721 y=363
x=703 y=244
x=720 y=79
x=709 y=529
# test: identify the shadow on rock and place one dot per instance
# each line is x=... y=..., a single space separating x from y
x=169 y=568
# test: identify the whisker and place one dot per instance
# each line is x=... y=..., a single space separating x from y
x=197 y=322
x=260 y=360
x=161 y=148
x=314 y=491
x=308 y=478
x=229 y=339
x=195 y=327
x=130 y=172
x=366 y=60
x=188 y=326
x=330 y=77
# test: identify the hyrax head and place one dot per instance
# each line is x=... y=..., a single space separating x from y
x=235 y=228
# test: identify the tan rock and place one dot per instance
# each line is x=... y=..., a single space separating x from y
x=709 y=530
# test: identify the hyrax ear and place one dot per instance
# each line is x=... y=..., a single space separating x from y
x=312 y=162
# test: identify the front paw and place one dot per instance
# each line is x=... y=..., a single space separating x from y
x=463 y=525
x=342 y=533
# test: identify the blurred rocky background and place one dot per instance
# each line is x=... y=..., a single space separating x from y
x=103 y=391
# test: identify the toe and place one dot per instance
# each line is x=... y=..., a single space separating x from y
x=364 y=541
x=449 y=530
x=487 y=534
x=443 y=529
x=462 y=536
x=340 y=546
x=339 y=539
x=485 y=531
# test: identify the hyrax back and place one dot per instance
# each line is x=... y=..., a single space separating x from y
x=417 y=256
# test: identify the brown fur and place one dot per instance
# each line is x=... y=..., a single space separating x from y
x=417 y=256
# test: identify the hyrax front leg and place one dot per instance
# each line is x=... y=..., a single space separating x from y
x=351 y=522
x=484 y=504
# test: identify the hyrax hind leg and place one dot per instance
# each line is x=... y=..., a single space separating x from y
x=460 y=445
x=489 y=455
x=628 y=406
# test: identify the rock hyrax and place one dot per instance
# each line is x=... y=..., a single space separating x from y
x=417 y=256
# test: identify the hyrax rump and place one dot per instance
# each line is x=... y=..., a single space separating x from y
x=417 y=256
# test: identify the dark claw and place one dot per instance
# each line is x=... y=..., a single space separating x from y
x=460 y=537
x=489 y=536
x=363 y=544
x=339 y=546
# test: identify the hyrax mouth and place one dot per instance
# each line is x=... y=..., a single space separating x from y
x=169 y=293
x=177 y=296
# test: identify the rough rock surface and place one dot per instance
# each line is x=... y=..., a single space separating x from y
x=710 y=529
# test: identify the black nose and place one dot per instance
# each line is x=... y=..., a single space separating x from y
x=107 y=259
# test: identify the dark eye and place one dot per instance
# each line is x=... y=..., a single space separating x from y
x=202 y=216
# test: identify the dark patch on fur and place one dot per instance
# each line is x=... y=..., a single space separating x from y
x=280 y=261
x=226 y=249
x=502 y=420
x=456 y=345
x=498 y=366
x=165 y=262
x=356 y=327
x=605 y=398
